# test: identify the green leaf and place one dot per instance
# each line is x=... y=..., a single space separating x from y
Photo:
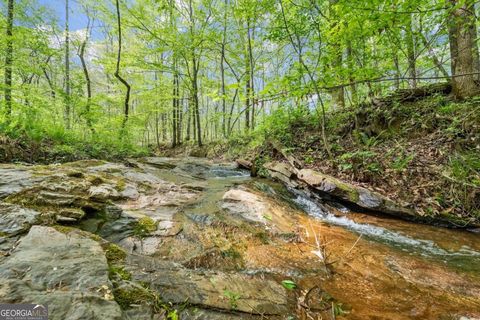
x=289 y=284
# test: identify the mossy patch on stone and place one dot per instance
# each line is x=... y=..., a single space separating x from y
x=145 y=226
x=119 y=271
x=121 y=184
x=133 y=295
x=95 y=180
x=75 y=174
x=114 y=254
x=66 y=230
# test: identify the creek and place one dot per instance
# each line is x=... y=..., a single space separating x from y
x=213 y=221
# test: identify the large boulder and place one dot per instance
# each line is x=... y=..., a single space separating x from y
x=67 y=272
x=347 y=192
x=336 y=189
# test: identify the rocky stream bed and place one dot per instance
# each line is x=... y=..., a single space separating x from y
x=159 y=238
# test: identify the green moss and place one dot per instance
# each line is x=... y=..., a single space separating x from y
x=67 y=230
x=121 y=184
x=115 y=254
x=136 y=295
x=263 y=236
x=95 y=180
x=75 y=174
x=145 y=226
x=231 y=253
x=64 y=229
x=120 y=272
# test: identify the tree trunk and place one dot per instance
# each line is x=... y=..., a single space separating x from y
x=174 y=108
x=463 y=49
x=196 y=102
x=252 y=67
x=353 y=86
x=434 y=57
x=222 y=71
x=87 y=76
x=189 y=120
x=397 y=70
x=338 y=94
x=8 y=61
x=412 y=67
x=248 y=82
x=117 y=70
x=67 y=69
x=179 y=113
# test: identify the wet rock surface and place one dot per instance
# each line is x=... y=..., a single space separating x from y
x=337 y=190
x=211 y=289
x=158 y=237
x=69 y=273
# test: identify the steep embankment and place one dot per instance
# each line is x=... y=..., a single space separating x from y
x=419 y=148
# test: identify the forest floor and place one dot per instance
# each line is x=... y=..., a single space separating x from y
x=424 y=154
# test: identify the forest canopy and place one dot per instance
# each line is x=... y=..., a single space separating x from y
x=163 y=72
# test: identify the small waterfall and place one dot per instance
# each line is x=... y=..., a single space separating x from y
x=376 y=233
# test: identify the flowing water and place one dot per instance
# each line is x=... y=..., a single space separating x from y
x=213 y=217
x=380 y=268
x=422 y=240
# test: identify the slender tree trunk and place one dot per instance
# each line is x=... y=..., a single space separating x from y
x=117 y=70
x=338 y=94
x=312 y=80
x=224 y=98
x=47 y=77
x=8 y=61
x=248 y=81
x=196 y=108
x=179 y=114
x=67 y=68
x=353 y=86
x=252 y=71
x=164 y=126
x=230 y=114
x=174 y=107
x=87 y=76
x=434 y=57
x=397 y=70
x=157 y=128
x=194 y=123
x=222 y=71
x=189 y=120
x=463 y=49
x=412 y=64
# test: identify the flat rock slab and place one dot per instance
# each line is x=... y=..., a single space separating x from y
x=69 y=273
x=219 y=290
x=15 y=219
x=204 y=314
x=14 y=179
x=246 y=204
